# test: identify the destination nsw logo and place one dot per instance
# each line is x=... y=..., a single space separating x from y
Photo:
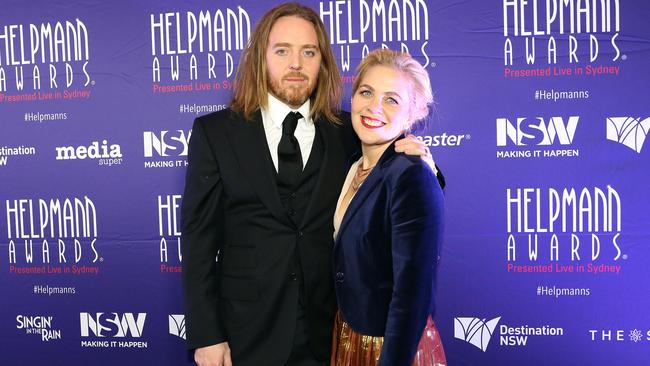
x=563 y=230
x=479 y=331
x=536 y=137
x=177 y=325
x=628 y=131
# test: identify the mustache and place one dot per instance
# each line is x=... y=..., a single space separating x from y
x=295 y=74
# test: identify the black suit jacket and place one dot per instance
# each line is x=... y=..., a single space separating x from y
x=231 y=206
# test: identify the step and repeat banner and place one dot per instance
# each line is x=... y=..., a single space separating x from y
x=541 y=116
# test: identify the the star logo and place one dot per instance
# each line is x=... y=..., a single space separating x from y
x=635 y=335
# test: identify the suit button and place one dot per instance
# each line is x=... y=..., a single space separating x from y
x=292 y=212
x=293 y=194
x=300 y=234
x=293 y=276
x=340 y=276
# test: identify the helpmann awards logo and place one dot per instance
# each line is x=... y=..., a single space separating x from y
x=196 y=51
x=551 y=38
x=45 y=61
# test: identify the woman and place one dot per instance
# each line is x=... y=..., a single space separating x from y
x=388 y=225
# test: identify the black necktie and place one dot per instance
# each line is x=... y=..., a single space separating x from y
x=289 y=157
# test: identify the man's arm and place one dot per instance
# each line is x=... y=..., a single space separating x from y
x=202 y=220
x=411 y=145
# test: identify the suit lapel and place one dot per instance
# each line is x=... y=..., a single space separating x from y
x=331 y=171
x=251 y=149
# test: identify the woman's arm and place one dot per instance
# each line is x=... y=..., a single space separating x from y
x=416 y=215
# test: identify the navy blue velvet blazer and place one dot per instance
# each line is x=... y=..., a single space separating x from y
x=386 y=253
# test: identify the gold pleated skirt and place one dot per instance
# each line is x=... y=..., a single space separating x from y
x=350 y=348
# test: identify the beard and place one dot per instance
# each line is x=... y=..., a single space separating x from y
x=293 y=95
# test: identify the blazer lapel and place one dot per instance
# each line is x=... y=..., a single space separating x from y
x=357 y=201
x=374 y=178
x=251 y=149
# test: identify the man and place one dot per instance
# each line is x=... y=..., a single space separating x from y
x=261 y=189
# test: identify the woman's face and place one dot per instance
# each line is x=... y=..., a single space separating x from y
x=380 y=106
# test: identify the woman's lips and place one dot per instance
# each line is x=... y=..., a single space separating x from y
x=371 y=123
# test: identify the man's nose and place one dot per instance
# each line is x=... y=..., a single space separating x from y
x=295 y=63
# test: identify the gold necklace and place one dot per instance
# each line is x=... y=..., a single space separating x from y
x=360 y=176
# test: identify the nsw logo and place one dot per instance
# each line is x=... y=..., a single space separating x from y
x=628 y=131
x=166 y=143
x=177 y=325
x=475 y=331
x=112 y=325
x=536 y=131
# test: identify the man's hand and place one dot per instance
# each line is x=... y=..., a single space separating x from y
x=215 y=355
x=411 y=145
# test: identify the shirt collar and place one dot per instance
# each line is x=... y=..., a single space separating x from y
x=277 y=110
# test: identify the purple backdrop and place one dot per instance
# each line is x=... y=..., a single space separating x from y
x=539 y=127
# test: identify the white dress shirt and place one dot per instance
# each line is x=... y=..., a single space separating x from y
x=272 y=118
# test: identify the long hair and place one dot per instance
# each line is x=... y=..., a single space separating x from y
x=251 y=87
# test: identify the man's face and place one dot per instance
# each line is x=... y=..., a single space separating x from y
x=293 y=60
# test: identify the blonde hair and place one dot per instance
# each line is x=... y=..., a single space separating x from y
x=417 y=76
x=251 y=87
